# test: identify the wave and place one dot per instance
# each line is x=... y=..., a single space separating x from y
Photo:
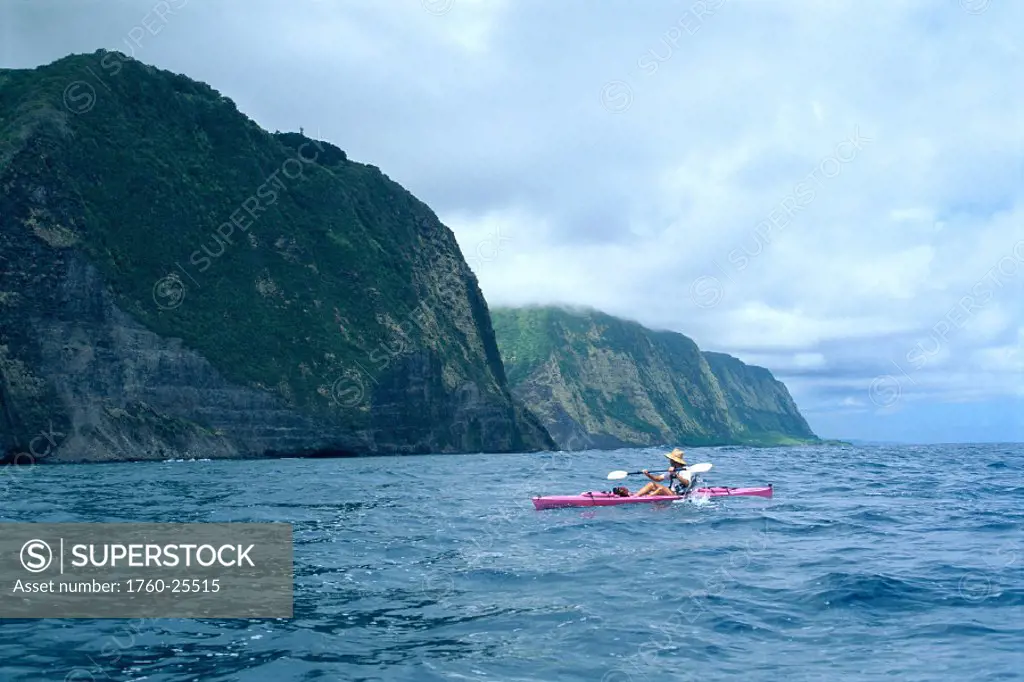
x=840 y=590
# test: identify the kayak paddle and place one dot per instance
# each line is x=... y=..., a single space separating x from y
x=694 y=469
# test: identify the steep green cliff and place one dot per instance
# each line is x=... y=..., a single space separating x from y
x=174 y=279
x=759 y=404
x=597 y=381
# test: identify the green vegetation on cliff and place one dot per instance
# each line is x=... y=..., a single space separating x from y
x=599 y=381
x=287 y=266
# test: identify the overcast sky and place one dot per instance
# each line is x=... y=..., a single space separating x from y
x=830 y=189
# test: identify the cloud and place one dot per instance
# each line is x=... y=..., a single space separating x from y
x=687 y=165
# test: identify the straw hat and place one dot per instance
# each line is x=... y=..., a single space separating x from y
x=677 y=456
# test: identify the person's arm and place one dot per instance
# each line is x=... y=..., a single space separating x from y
x=657 y=478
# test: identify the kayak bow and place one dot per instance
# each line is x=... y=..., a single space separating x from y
x=605 y=499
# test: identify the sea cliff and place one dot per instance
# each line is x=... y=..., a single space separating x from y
x=598 y=381
x=176 y=281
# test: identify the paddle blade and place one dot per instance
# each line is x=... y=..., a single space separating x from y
x=689 y=472
x=617 y=475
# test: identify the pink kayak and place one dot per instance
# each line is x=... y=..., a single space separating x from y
x=604 y=499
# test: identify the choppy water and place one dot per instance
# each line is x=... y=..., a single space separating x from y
x=903 y=562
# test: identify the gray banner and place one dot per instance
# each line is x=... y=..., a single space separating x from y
x=146 y=570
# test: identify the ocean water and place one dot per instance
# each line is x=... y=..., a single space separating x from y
x=904 y=563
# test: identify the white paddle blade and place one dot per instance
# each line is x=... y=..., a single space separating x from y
x=617 y=475
x=701 y=468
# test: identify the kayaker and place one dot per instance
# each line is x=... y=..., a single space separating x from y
x=672 y=482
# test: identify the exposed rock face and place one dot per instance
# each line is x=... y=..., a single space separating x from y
x=758 y=403
x=597 y=381
x=177 y=282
